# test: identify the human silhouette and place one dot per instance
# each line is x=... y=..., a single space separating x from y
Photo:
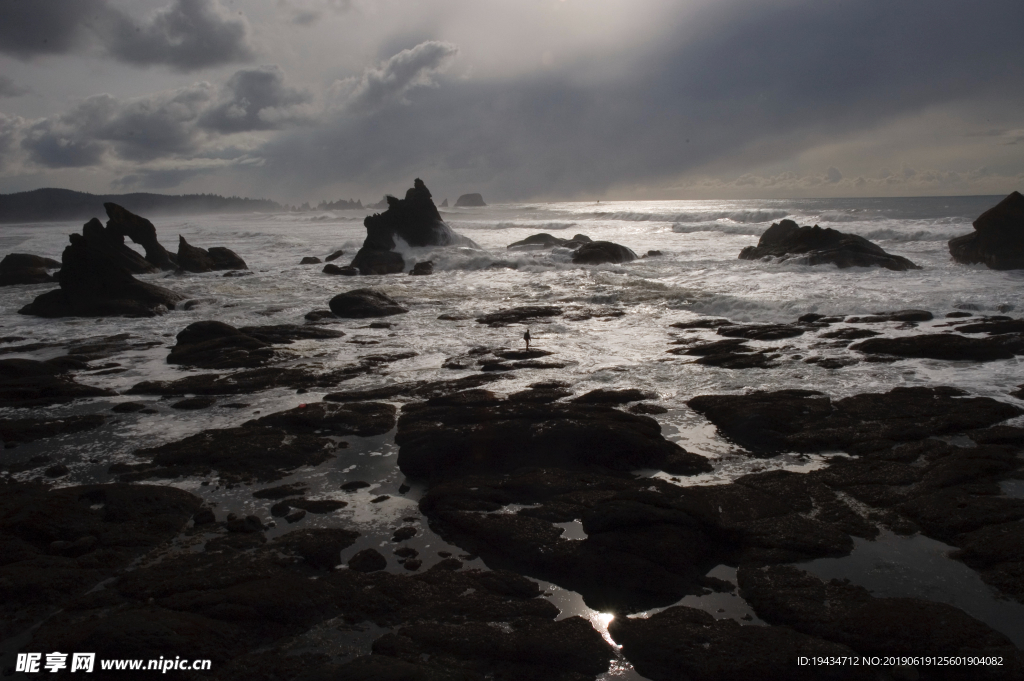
x=526 y=337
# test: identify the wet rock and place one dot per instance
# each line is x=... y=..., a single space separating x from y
x=364 y=302
x=603 y=314
x=761 y=331
x=998 y=237
x=993 y=326
x=141 y=231
x=194 y=259
x=29 y=383
x=601 y=252
x=817 y=246
x=403 y=533
x=946 y=346
x=101 y=527
x=767 y=423
x=353 y=485
x=56 y=471
x=470 y=201
x=423 y=268
x=540 y=395
x=453 y=317
x=216 y=345
x=363 y=419
x=473 y=430
x=371 y=261
x=544 y=240
x=17 y=431
x=281 y=491
x=284 y=334
x=999 y=435
x=320 y=316
x=21 y=268
x=850 y=334
x=704 y=323
x=193 y=403
x=687 y=643
x=310 y=260
x=334 y=256
x=367 y=560
x=519 y=315
x=414 y=389
x=609 y=396
x=129 y=407
x=96 y=281
x=646 y=408
x=897 y=316
x=247 y=382
x=947 y=513
x=849 y=615
x=317 y=506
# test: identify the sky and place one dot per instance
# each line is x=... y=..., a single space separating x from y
x=520 y=100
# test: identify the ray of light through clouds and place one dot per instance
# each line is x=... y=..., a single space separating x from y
x=538 y=99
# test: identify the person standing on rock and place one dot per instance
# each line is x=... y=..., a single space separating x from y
x=526 y=337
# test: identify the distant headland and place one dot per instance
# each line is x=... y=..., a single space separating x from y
x=46 y=205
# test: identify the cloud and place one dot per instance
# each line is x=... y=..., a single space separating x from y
x=395 y=77
x=258 y=99
x=185 y=35
x=309 y=12
x=8 y=88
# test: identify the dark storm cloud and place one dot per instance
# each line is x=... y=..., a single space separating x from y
x=746 y=81
x=415 y=67
x=257 y=99
x=8 y=88
x=185 y=35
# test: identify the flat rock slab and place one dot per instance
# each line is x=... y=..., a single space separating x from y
x=363 y=303
x=946 y=346
x=250 y=381
x=687 y=643
x=27 y=383
x=768 y=423
x=27 y=430
x=414 y=390
x=474 y=430
x=849 y=615
x=762 y=331
x=906 y=316
x=518 y=315
x=216 y=345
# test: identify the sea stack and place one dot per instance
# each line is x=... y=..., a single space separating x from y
x=998 y=237
x=817 y=246
x=470 y=201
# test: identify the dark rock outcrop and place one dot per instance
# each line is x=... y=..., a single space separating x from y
x=310 y=260
x=423 y=268
x=96 y=281
x=21 y=268
x=475 y=431
x=362 y=303
x=817 y=246
x=413 y=219
x=141 y=231
x=195 y=259
x=216 y=345
x=601 y=252
x=250 y=381
x=470 y=201
x=518 y=315
x=998 y=237
x=28 y=383
x=767 y=423
x=334 y=256
x=905 y=316
x=347 y=270
x=946 y=346
x=544 y=240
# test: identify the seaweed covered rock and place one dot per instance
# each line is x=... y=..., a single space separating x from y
x=998 y=237
x=22 y=268
x=817 y=246
x=194 y=259
x=96 y=281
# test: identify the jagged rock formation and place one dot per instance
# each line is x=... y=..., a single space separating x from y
x=195 y=259
x=141 y=231
x=22 y=268
x=96 y=280
x=998 y=237
x=414 y=220
x=819 y=246
x=545 y=240
x=470 y=201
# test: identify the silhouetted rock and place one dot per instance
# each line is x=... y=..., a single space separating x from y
x=21 y=268
x=518 y=315
x=998 y=237
x=607 y=396
x=346 y=271
x=896 y=316
x=544 y=240
x=29 y=430
x=195 y=259
x=367 y=560
x=141 y=231
x=470 y=201
x=96 y=281
x=761 y=331
x=310 y=260
x=444 y=204
x=946 y=346
x=768 y=423
x=250 y=381
x=600 y=252
x=373 y=261
x=216 y=345
x=475 y=431
x=817 y=246
x=334 y=256
x=364 y=302
x=423 y=268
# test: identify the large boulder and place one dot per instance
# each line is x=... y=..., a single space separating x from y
x=364 y=302
x=96 y=281
x=374 y=261
x=998 y=237
x=470 y=201
x=22 y=268
x=215 y=345
x=141 y=231
x=413 y=219
x=817 y=246
x=195 y=259
x=545 y=240
x=601 y=252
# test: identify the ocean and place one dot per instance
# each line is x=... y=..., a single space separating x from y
x=622 y=345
